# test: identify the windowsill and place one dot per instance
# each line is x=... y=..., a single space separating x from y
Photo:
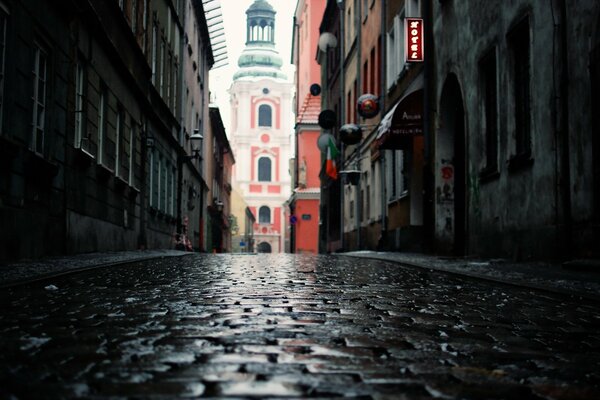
x=83 y=157
x=519 y=162
x=133 y=192
x=488 y=174
x=120 y=183
x=398 y=199
x=103 y=171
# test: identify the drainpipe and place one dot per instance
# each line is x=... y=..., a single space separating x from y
x=563 y=129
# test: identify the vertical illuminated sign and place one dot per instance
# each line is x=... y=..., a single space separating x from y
x=413 y=48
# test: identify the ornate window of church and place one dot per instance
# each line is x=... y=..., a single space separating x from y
x=264 y=169
x=265 y=115
x=264 y=215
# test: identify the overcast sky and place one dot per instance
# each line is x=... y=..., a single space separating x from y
x=234 y=20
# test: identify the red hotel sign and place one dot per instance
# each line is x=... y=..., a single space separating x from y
x=414 y=39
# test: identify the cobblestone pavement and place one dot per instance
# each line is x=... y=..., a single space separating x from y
x=285 y=326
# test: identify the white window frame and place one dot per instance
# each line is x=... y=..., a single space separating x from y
x=173 y=190
x=161 y=64
x=40 y=75
x=152 y=183
x=118 y=139
x=79 y=104
x=101 y=124
x=395 y=175
x=395 y=50
x=154 y=51
x=132 y=139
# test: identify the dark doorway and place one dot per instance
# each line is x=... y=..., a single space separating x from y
x=264 y=247
x=453 y=154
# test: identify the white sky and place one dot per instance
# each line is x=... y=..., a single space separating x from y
x=234 y=20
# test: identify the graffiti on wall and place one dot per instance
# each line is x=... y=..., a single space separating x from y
x=445 y=191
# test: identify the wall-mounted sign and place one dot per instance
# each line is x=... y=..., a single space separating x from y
x=413 y=49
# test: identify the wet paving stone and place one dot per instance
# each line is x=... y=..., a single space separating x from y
x=292 y=326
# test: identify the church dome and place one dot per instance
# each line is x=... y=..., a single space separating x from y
x=260 y=58
x=260 y=5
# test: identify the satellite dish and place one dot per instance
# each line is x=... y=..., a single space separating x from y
x=315 y=89
x=327 y=41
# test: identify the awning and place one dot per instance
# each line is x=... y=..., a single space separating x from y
x=404 y=120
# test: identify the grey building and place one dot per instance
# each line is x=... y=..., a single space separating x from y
x=91 y=119
x=515 y=100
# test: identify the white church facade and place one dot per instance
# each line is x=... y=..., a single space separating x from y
x=261 y=127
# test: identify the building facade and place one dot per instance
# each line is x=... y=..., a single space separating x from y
x=305 y=199
x=92 y=124
x=219 y=164
x=261 y=109
x=516 y=127
x=487 y=146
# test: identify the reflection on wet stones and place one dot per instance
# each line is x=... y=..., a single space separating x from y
x=292 y=326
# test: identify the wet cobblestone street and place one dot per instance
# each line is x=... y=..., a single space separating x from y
x=286 y=326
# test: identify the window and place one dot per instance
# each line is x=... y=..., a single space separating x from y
x=397 y=167
x=365 y=81
x=264 y=169
x=175 y=87
x=395 y=50
x=173 y=190
x=519 y=47
x=163 y=185
x=40 y=74
x=154 y=51
x=490 y=105
x=154 y=173
x=372 y=71
x=101 y=124
x=414 y=9
x=161 y=62
x=265 y=115
x=3 y=23
x=132 y=146
x=119 y=140
x=264 y=215
x=80 y=81
x=134 y=20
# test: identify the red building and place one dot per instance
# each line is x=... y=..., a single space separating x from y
x=305 y=199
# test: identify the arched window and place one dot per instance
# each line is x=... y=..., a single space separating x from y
x=264 y=115
x=264 y=169
x=264 y=215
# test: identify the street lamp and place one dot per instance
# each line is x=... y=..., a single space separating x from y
x=196 y=139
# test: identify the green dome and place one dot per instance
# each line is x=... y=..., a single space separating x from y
x=260 y=58
x=266 y=59
x=260 y=5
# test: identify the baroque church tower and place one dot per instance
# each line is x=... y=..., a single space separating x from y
x=261 y=128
